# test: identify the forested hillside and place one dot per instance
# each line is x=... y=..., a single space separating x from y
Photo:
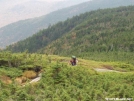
x=107 y=31
x=102 y=31
x=22 y=29
x=106 y=35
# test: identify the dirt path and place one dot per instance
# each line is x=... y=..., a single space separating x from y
x=105 y=70
x=34 y=80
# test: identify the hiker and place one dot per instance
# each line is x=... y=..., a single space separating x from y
x=73 y=61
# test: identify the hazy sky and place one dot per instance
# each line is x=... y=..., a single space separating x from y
x=15 y=10
x=50 y=0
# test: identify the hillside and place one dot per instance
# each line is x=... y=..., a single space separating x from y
x=25 y=28
x=61 y=81
x=107 y=31
x=102 y=31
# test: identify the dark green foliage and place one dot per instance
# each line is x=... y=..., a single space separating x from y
x=104 y=31
x=101 y=30
x=44 y=37
x=13 y=65
x=22 y=29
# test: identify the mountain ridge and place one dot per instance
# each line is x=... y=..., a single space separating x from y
x=29 y=27
x=101 y=30
x=15 y=10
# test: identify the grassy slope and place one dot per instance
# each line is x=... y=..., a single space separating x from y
x=60 y=81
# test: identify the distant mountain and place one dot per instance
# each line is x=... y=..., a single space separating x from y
x=15 y=10
x=105 y=30
x=25 y=28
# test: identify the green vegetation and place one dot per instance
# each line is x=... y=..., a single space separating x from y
x=25 y=28
x=104 y=32
x=62 y=82
x=101 y=39
x=103 y=35
x=101 y=30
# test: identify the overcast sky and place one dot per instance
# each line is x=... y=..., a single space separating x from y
x=15 y=10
